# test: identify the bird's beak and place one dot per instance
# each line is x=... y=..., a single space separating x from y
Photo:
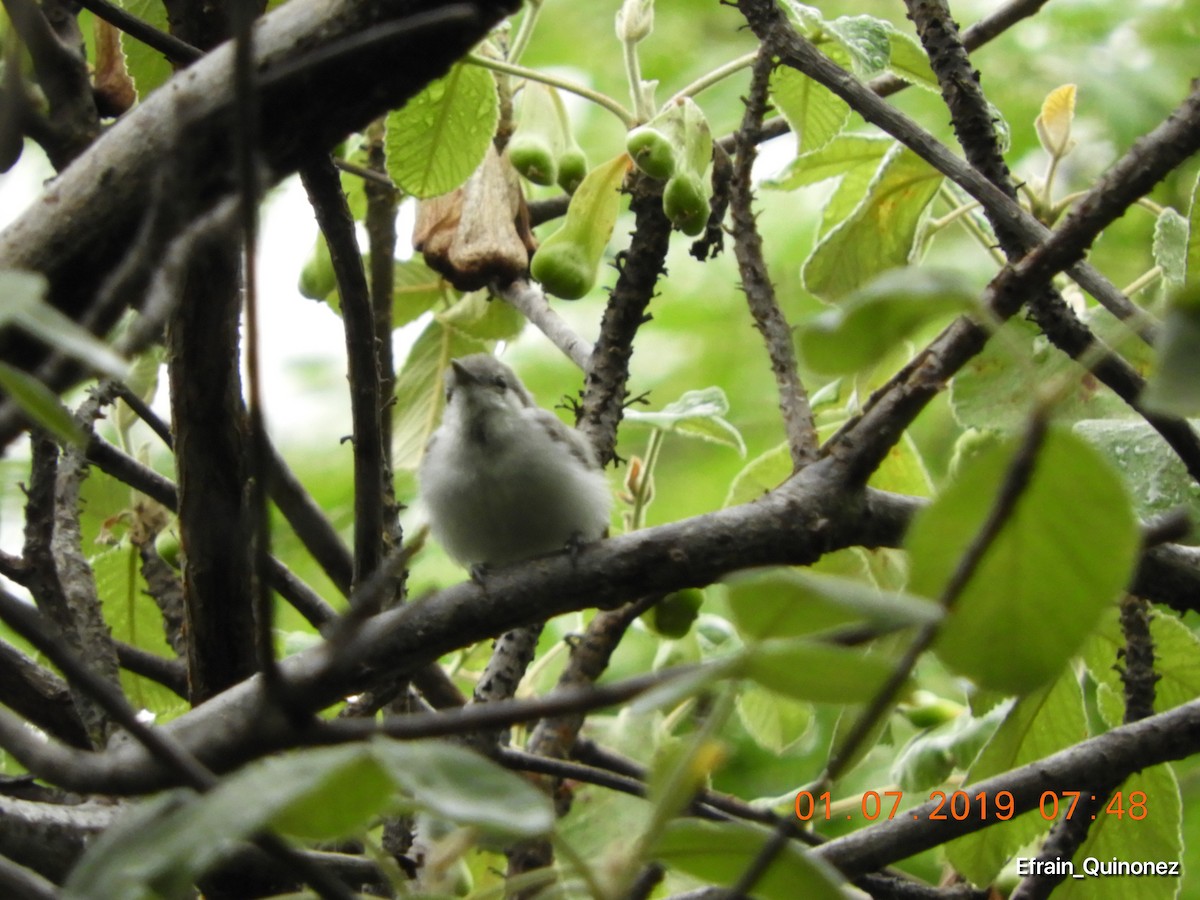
x=461 y=374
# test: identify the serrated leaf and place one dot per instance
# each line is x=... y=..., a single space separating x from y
x=441 y=135
x=718 y=853
x=1157 y=479
x=866 y=41
x=41 y=405
x=807 y=19
x=1044 y=579
x=1176 y=663
x=420 y=389
x=814 y=113
x=869 y=322
x=1041 y=723
x=1053 y=124
x=776 y=603
x=148 y=67
x=881 y=232
x=697 y=414
x=1170 y=248
x=813 y=671
x=455 y=783
x=1155 y=837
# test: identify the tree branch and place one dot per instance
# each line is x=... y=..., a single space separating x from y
x=756 y=282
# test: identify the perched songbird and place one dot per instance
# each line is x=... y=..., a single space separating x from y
x=504 y=479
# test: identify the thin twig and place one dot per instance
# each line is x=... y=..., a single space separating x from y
x=801 y=432
x=333 y=215
x=531 y=302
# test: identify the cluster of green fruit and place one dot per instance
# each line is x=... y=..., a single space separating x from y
x=675 y=146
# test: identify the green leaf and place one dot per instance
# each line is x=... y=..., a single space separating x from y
x=776 y=723
x=843 y=155
x=147 y=66
x=1157 y=479
x=816 y=115
x=458 y=784
x=780 y=603
x=1176 y=663
x=161 y=847
x=763 y=473
x=909 y=61
x=1155 y=837
x=137 y=857
x=342 y=794
x=1041 y=723
x=415 y=290
x=25 y=307
x=881 y=232
x=440 y=136
x=1171 y=248
x=869 y=322
x=420 y=388
x=479 y=316
x=817 y=672
x=1045 y=580
x=903 y=470
x=718 y=853
x=866 y=40
x=1174 y=388
x=41 y=405
x=997 y=389
x=143 y=381
x=699 y=414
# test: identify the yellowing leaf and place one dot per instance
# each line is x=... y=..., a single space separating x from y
x=1054 y=124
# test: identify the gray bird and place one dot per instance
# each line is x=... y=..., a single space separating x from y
x=503 y=479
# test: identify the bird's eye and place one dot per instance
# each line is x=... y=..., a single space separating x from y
x=500 y=383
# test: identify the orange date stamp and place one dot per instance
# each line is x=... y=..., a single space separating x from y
x=960 y=806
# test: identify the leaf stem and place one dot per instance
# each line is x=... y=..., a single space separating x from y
x=525 y=30
x=704 y=82
x=603 y=100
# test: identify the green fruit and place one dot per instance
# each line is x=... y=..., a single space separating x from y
x=673 y=615
x=651 y=151
x=685 y=201
x=166 y=544
x=541 y=134
x=567 y=261
x=572 y=168
x=533 y=158
x=563 y=269
x=317 y=280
